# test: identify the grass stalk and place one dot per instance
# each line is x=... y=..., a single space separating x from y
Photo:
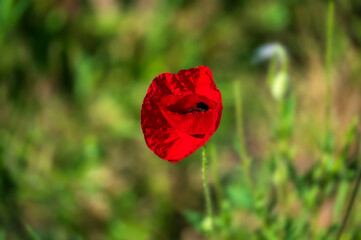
x=328 y=59
x=353 y=194
x=215 y=173
x=246 y=161
x=207 y=194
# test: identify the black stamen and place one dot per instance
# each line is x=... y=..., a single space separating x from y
x=202 y=107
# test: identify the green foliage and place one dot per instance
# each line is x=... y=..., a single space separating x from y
x=282 y=165
x=31 y=232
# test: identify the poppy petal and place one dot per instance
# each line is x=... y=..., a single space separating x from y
x=180 y=112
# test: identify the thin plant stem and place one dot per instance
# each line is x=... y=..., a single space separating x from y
x=246 y=161
x=272 y=70
x=31 y=232
x=215 y=173
x=353 y=195
x=329 y=44
x=207 y=194
x=328 y=106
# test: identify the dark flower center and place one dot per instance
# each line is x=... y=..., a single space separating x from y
x=201 y=107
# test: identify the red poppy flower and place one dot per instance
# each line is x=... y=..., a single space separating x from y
x=180 y=112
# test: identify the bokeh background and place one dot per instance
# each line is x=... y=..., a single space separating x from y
x=73 y=160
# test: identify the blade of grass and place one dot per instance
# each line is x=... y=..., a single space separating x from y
x=329 y=44
x=246 y=161
x=327 y=158
x=353 y=194
x=215 y=173
x=207 y=194
x=31 y=232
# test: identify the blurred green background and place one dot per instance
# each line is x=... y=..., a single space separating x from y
x=73 y=160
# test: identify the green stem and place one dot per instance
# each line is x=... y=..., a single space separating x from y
x=240 y=132
x=215 y=173
x=206 y=191
x=329 y=43
x=353 y=195
x=239 y=117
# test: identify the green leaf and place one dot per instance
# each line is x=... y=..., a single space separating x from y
x=31 y=232
x=349 y=138
x=195 y=219
x=340 y=199
x=240 y=196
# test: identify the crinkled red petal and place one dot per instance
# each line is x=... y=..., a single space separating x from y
x=173 y=127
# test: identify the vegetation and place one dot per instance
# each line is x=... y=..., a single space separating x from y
x=284 y=163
